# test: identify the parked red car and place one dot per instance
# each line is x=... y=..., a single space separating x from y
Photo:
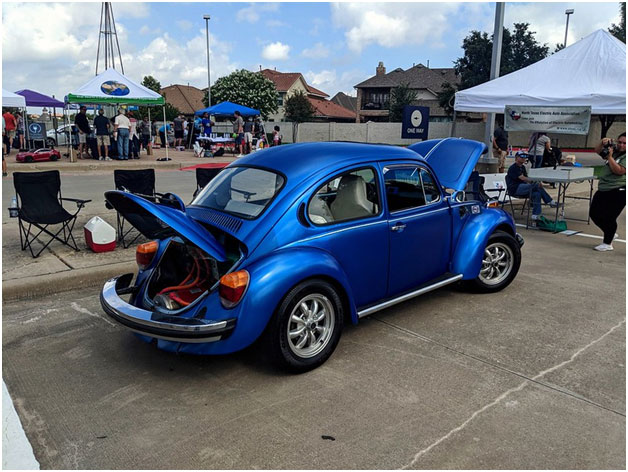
x=38 y=155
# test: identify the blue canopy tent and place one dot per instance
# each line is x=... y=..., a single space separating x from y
x=227 y=109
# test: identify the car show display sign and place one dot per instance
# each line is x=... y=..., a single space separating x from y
x=565 y=120
x=37 y=131
x=415 y=122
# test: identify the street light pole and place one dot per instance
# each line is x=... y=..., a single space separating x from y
x=567 y=12
x=209 y=89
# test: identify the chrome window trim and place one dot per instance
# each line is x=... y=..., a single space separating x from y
x=418 y=166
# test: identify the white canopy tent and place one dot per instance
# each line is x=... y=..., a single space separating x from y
x=591 y=72
x=10 y=99
x=112 y=88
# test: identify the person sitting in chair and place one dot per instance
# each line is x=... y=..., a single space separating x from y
x=519 y=185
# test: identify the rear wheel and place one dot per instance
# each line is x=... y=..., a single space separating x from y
x=500 y=263
x=306 y=327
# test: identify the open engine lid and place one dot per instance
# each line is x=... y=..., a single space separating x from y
x=453 y=159
x=157 y=221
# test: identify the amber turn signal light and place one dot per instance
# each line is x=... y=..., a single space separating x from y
x=145 y=253
x=493 y=204
x=232 y=287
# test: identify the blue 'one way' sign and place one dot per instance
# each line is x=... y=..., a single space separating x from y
x=415 y=122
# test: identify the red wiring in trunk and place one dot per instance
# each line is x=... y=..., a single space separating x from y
x=197 y=282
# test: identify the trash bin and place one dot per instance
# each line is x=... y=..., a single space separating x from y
x=100 y=236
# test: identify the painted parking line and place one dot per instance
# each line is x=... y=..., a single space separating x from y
x=578 y=233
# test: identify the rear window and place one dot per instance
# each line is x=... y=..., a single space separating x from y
x=244 y=192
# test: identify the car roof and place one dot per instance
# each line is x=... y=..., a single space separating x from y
x=299 y=161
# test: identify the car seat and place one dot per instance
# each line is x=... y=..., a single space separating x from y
x=351 y=199
x=319 y=211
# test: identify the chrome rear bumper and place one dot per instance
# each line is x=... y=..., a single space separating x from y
x=155 y=324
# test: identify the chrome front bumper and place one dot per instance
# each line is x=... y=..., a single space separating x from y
x=155 y=324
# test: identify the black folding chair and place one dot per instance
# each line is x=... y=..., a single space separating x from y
x=203 y=177
x=39 y=205
x=139 y=182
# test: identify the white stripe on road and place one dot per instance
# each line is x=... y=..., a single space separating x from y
x=577 y=233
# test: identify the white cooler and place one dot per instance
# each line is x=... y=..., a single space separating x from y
x=100 y=236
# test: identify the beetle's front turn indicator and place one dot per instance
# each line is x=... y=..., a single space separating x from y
x=232 y=287
x=145 y=253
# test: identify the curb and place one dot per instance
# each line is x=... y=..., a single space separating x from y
x=41 y=285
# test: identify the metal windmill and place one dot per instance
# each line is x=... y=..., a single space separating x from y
x=106 y=37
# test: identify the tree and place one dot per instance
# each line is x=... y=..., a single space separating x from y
x=519 y=49
x=446 y=97
x=559 y=47
x=619 y=31
x=400 y=96
x=151 y=83
x=246 y=88
x=298 y=109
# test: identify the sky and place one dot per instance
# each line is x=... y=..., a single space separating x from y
x=52 y=47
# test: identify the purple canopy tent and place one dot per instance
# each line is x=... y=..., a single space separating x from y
x=36 y=99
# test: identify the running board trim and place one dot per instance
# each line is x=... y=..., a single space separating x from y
x=408 y=296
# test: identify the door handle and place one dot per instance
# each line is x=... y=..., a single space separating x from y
x=399 y=227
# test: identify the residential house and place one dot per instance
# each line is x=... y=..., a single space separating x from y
x=346 y=101
x=289 y=83
x=374 y=93
x=186 y=98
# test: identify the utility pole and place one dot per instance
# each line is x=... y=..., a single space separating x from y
x=567 y=12
x=498 y=34
x=209 y=86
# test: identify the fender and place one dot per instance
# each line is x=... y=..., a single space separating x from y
x=467 y=258
x=272 y=277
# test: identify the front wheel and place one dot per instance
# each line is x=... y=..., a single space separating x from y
x=306 y=327
x=500 y=263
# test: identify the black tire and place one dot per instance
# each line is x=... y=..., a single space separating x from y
x=54 y=157
x=493 y=277
x=50 y=142
x=283 y=349
x=29 y=159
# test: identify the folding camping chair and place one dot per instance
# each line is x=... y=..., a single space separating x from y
x=139 y=182
x=203 y=177
x=39 y=205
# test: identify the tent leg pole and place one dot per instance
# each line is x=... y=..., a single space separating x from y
x=453 y=126
x=25 y=116
x=165 y=130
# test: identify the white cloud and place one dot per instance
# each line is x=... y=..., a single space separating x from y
x=185 y=25
x=57 y=60
x=275 y=23
x=276 y=51
x=392 y=25
x=251 y=14
x=317 y=51
x=330 y=82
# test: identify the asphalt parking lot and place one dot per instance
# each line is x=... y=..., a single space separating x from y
x=531 y=377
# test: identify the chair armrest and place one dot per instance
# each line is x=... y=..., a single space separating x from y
x=79 y=203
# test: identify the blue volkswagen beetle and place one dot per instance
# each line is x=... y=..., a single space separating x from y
x=290 y=243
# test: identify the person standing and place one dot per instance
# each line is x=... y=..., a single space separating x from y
x=145 y=133
x=84 y=130
x=134 y=138
x=5 y=138
x=248 y=135
x=102 y=125
x=207 y=124
x=122 y=125
x=276 y=136
x=238 y=129
x=10 y=126
x=163 y=133
x=610 y=199
x=500 y=145
x=178 y=130
x=21 y=130
x=519 y=185
x=539 y=142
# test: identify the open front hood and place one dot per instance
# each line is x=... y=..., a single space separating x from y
x=453 y=159
x=157 y=221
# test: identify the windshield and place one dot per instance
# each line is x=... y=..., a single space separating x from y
x=241 y=191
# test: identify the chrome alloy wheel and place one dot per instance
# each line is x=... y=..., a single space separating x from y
x=497 y=263
x=311 y=325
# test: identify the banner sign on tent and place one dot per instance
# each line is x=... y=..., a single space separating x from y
x=37 y=131
x=565 y=120
x=415 y=122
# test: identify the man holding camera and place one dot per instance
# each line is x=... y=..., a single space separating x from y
x=610 y=198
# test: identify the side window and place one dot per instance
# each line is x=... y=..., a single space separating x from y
x=409 y=187
x=432 y=193
x=345 y=197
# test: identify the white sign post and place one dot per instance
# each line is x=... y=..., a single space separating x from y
x=564 y=120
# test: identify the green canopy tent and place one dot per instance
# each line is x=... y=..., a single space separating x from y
x=112 y=88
